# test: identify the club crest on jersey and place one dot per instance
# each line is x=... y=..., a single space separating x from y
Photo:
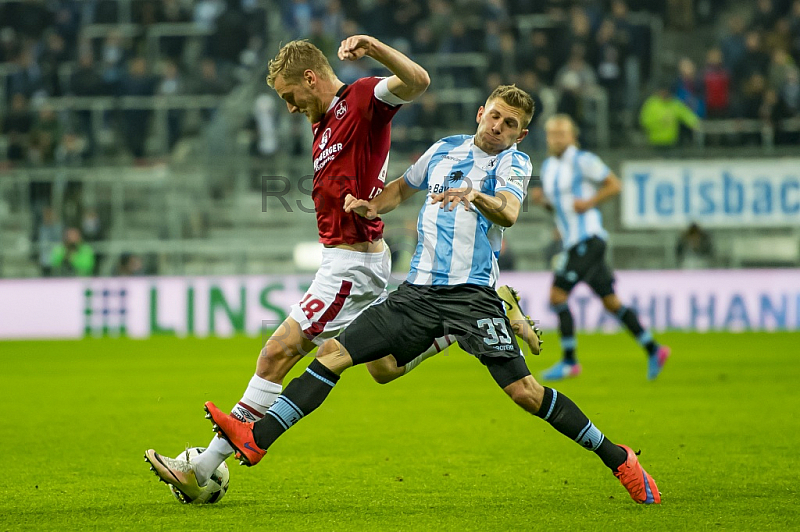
x=340 y=110
x=458 y=175
x=326 y=136
x=489 y=164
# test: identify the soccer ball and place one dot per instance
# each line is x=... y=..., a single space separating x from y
x=216 y=487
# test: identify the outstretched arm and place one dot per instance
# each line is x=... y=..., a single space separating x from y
x=409 y=80
x=393 y=195
x=502 y=209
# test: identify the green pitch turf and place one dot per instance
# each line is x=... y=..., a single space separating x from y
x=440 y=449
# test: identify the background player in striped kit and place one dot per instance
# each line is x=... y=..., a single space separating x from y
x=474 y=184
x=572 y=183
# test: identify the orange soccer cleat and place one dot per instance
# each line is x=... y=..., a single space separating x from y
x=238 y=433
x=641 y=486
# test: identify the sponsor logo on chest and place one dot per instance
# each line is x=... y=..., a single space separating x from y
x=326 y=136
x=327 y=152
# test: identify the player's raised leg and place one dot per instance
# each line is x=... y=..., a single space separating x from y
x=285 y=347
x=301 y=397
x=657 y=354
x=365 y=340
x=346 y=283
x=283 y=350
x=565 y=416
x=385 y=370
x=568 y=366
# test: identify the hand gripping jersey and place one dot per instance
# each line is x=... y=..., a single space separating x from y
x=351 y=156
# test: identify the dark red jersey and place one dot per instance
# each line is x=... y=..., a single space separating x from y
x=351 y=155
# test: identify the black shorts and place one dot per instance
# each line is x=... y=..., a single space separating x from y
x=413 y=316
x=586 y=262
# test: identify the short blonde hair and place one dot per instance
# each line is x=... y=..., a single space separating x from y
x=515 y=97
x=296 y=57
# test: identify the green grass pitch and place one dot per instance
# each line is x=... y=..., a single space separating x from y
x=440 y=449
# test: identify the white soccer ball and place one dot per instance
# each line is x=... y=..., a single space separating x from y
x=215 y=488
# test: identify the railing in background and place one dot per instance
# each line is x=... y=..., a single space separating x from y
x=765 y=130
x=99 y=106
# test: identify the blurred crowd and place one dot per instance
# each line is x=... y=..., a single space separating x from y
x=747 y=70
x=561 y=51
x=69 y=251
x=99 y=48
x=561 y=57
x=573 y=47
x=751 y=72
x=46 y=51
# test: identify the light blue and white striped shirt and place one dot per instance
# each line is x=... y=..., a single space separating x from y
x=461 y=246
x=576 y=174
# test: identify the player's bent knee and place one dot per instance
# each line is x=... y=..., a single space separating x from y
x=382 y=378
x=276 y=352
x=612 y=303
x=330 y=348
x=385 y=370
x=527 y=393
x=558 y=296
x=277 y=357
x=334 y=356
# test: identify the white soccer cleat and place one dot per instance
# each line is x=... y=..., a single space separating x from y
x=177 y=473
x=523 y=325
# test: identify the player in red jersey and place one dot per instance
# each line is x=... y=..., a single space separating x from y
x=352 y=131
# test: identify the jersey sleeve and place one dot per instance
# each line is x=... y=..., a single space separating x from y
x=592 y=167
x=378 y=108
x=417 y=174
x=383 y=94
x=513 y=174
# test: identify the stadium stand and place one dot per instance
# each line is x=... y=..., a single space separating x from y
x=154 y=114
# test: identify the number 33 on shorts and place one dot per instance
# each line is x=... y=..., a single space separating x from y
x=492 y=327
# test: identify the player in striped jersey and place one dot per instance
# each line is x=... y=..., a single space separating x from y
x=573 y=182
x=351 y=126
x=474 y=187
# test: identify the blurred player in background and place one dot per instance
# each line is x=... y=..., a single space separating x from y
x=474 y=190
x=573 y=183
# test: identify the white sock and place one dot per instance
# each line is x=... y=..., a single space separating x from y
x=438 y=345
x=257 y=398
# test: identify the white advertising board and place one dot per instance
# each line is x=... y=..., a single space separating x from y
x=713 y=193
x=139 y=307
